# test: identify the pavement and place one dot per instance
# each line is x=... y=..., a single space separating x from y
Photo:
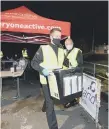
x=30 y=117
x=27 y=114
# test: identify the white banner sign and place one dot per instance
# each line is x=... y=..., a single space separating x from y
x=90 y=99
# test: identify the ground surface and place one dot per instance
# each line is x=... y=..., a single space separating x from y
x=27 y=114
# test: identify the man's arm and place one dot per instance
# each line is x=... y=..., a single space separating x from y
x=79 y=59
x=80 y=62
x=37 y=59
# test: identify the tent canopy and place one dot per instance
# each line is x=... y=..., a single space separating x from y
x=22 y=20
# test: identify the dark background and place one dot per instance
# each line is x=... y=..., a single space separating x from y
x=83 y=15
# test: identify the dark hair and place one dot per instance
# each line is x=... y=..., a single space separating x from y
x=55 y=29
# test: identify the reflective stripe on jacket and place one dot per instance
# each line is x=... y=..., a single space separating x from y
x=24 y=53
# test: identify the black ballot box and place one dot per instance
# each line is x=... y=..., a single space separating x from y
x=65 y=85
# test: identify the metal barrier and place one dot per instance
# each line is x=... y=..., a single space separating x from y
x=97 y=70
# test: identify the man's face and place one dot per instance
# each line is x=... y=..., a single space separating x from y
x=68 y=44
x=55 y=35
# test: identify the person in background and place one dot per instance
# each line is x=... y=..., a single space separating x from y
x=1 y=54
x=25 y=53
x=74 y=59
x=16 y=57
x=26 y=57
x=105 y=48
x=1 y=57
x=46 y=59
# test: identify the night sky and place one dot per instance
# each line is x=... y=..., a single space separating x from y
x=83 y=15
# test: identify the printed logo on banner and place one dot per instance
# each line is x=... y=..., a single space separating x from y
x=90 y=93
x=90 y=97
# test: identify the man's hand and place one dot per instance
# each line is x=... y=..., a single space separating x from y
x=45 y=72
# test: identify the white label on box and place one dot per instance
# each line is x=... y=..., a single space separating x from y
x=67 y=87
x=79 y=83
x=74 y=84
x=53 y=86
x=71 y=85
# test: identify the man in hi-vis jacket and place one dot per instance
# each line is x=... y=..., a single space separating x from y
x=74 y=59
x=47 y=58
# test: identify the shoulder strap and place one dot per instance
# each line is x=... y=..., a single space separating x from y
x=68 y=53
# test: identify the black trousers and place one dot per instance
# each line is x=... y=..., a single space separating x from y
x=50 y=113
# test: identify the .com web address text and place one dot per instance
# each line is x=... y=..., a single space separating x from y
x=27 y=26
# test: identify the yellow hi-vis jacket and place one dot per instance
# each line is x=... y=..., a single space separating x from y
x=72 y=57
x=50 y=60
x=1 y=54
x=24 y=53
